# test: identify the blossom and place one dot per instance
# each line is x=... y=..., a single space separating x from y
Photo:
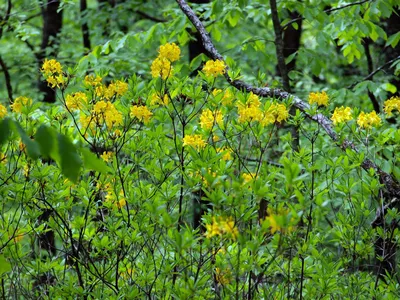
x=276 y=112
x=161 y=67
x=118 y=88
x=76 y=101
x=320 y=98
x=214 y=68
x=227 y=153
x=342 y=114
x=222 y=227
x=169 y=51
x=141 y=112
x=368 y=120
x=3 y=111
x=247 y=177
x=195 y=140
x=279 y=221
x=91 y=81
x=223 y=276
x=227 y=96
x=106 y=156
x=105 y=112
x=156 y=99
x=392 y=104
x=51 y=67
x=250 y=111
x=208 y=118
x=19 y=103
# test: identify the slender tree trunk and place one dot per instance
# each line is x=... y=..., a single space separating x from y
x=7 y=77
x=84 y=26
x=52 y=24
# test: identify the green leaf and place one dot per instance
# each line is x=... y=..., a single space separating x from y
x=393 y=40
x=32 y=146
x=46 y=138
x=5 y=266
x=389 y=87
x=92 y=162
x=5 y=130
x=70 y=160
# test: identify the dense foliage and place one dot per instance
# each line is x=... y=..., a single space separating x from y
x=159 y=172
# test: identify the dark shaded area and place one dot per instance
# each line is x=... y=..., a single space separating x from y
x=84 y=26
x=52 y=24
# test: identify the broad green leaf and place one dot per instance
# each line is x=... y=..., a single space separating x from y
x=393 y=40
x=5 y=130
x=92 y=162
x=70 y=160
x=389 y=87
x=46 y=138
x=32 y=146
x=5 y=266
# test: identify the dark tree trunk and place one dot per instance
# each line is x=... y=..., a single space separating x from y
x=84 y=26
x=291 y=39
x=52 y=24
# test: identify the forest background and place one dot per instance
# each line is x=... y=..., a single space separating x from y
x=206 y=149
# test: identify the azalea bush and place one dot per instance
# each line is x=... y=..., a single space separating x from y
x=185 y=187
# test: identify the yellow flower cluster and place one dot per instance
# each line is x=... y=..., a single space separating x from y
x=141 y=112
x=106 y=156
x=91 y=81
x=213 y=68
x=250 y=111
x=52 y=71
x=226 y=98
x=247 y=177
x=105 y=112
x=118 y=88
x=275 y=113
x=156 y=99
x=279 y=221
x=111 y=197
x=169 y=51
x=195 y=140
x=3 y=111
x=222 y=227
x=161 y=66
x=76 y=101
x=392 y=104
x=19 y=103
x=320 y=98
x=341 y=115
x=209 y=118
x=227 y=153
x=368 y=120
x=223 y=276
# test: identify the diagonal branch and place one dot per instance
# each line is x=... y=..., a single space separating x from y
x=392 y=186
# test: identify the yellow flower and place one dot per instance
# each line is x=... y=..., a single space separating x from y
x=105 y=112
x=223 y=276
x=226 y=153
x=250 y=111
x=226 y=98
x=222 y=226
x=106 y=156
x=392 y=104
x=51 y=67
x=170 y=52
x=142 y=113
x=118 y=87
x=368 y=120
x=275 y=113
x=195 y=140
x=320 y=98
x=156 y=99
x=161 y=67
x=214 y=68
x=341 y=115
x=247 y=177
x=3 y=111
x=208 y=119
x=76 y=101
x=279 y=221
x=91 y=81
x=19 y=103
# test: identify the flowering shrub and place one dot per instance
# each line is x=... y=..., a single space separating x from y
x=183 y=187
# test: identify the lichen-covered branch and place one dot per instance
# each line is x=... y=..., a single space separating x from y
x=391 y=185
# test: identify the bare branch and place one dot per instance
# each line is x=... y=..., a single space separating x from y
x=392 y=186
